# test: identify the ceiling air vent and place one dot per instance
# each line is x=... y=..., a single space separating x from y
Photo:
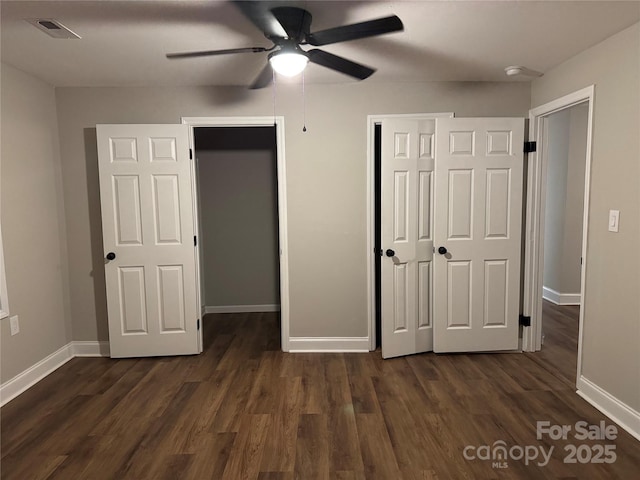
x=53 y=28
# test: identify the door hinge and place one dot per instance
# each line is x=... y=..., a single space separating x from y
x=190 y=154
x=530 y=147
x=525 y=321
x=198 y=324
x=195 y=241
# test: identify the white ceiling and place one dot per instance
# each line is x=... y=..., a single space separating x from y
x=124 y=42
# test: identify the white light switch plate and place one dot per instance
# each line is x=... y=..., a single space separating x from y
x=15 y=325
x=614 y=220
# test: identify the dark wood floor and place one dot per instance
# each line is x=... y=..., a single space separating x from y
x=244 y=410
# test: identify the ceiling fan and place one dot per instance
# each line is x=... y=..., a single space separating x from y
x=288 y=28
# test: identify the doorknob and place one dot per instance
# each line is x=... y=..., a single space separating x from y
x=442 y=250
x=111 y=256
x=390 y=253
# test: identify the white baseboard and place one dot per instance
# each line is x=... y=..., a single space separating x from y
x=32 y=375
x=241 y=308
x=90 y=349
x=328 y=344
x=618 y=411
x=560 y=298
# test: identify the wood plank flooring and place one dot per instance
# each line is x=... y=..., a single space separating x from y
x=245 y=410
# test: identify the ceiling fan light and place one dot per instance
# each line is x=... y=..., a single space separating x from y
x=288 y=64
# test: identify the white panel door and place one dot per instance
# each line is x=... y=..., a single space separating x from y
x=407 y=236
x=148 y=239
x=478 y=221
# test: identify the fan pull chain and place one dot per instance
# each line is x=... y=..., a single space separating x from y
x=273 y=82
x=304 y=106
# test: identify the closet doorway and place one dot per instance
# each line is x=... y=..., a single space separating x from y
x=241 y=218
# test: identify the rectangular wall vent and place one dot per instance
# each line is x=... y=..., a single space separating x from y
x=53 y=28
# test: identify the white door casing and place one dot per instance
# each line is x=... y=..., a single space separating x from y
x=278 y=123
x=407 y=229
x=478 y=219
x=536 y=194
x=147 y=221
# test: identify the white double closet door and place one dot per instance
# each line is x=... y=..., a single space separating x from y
x=451 y=216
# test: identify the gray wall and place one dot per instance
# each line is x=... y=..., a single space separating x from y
x=326 y=180
x=33 y=226
x=238 y=196
x=567 y=146
x=611 y=358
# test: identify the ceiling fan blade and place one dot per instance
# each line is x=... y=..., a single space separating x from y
x=295 y=21
x=259 y=14
x=208 y=53
x=264 y=78
x=356 y=31
x=339 y=64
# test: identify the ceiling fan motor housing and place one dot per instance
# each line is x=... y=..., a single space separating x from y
x=295 y=21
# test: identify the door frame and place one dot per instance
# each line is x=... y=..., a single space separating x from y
x=535 y=214
x=278 y=123
x=372 y=121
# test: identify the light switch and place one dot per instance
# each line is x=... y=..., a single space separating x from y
x=14 y=324
x=614 y=220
